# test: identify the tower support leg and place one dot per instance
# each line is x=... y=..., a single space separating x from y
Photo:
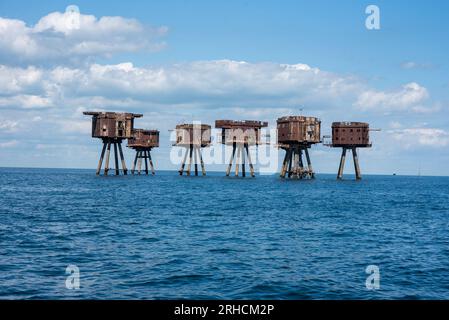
x=135 y=162
x=285 y=163
x=237 y=161
x=190 y=160
x=309 y=164
x=294 y=165
x=203 y=169
x=228 y=170
x=139 y=163
x=342 y=164
x=301 y=164
x=243 y=161
x=117 y=168
x=151 y=162
x=196 y=159
x=251 y=167
x=108 y=154
x=358 y=175
x=122 y=158
x=100 y=162
x=290 y=161
x=183 y=162
x=146 y=161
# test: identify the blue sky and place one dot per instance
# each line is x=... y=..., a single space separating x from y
x=396 y=78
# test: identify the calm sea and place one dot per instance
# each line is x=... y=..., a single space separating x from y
x=166 y=236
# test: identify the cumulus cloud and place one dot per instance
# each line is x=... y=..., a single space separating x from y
x=56 y=38
x=26 y=101
x=204 y=82
x=216 y=83
x=410 y=97
x=412 y=137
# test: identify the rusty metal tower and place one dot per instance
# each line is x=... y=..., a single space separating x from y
x=142 y=142
x=296 y=134
x=350 y=136
x=193 y=137
x=112 y=128
x=241 y=135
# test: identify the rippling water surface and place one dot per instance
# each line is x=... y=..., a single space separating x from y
x=164 y=237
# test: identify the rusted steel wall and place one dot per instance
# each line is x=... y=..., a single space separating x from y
x=193 y=134
x=299 y=129
x=247 y=131
x=144 y=139
x=112 y=124
x=346 y=134
x=235 y=124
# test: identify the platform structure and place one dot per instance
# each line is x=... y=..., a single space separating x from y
x=143 y=141
x=296 y=135
x=350 y=136
x=240 y=135
x=192 y=137
x=112 y=128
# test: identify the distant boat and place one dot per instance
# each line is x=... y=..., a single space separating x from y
x=394 y=174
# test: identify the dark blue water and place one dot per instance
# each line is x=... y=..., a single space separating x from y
x=176 y=237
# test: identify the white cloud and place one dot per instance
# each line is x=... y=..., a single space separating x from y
x=26 y=101
x=415 y=65
x=8 y=144
x=413 y=137
x=219 y=82
x=75 y=126
x=8 y=126
x=395 y=125
x=15 y=80
x=216 y=83
x=410 y=97
x=53 y=40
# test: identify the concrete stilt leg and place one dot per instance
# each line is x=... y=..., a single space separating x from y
x=145 y=159
x=100 y=162
x=237 y=160
x=190 y=160
x=228 y=170
x=181 y=170
x=203 y=169
x=342 y=164
x=151 y=162
x=251 y=167
x=243 y=161
x=135 y=162
x=309 y=164
x=139 y=163
x=285 y=163
x=196 y=160
x=122 y=158
x=108 y=154
x=117 y=168
x=358 y=174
